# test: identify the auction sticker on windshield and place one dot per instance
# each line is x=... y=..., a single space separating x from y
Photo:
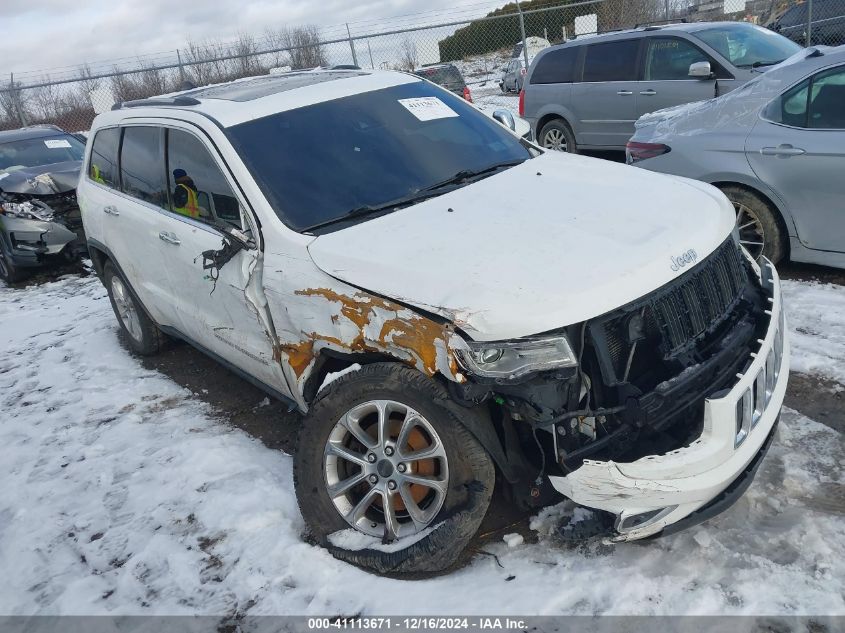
x=56 y=143
x=428 y=108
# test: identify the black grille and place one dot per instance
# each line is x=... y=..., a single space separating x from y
x=677 y=315
x=701 y=300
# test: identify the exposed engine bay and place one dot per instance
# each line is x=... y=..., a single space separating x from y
x=643 y=374
x=40 y=220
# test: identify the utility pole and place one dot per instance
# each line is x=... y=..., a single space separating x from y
x=351 y=45
x=522 y=30
x=372 y=65
x=809 y=23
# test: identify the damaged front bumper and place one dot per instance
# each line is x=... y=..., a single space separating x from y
x=657 y=491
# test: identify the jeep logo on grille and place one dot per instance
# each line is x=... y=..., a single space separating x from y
x=683 y=259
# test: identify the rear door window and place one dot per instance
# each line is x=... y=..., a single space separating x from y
x=142 y=164
x=827 y=100
x=611 y=61
x=102 y=167
x=556 y=67
x=198 y=188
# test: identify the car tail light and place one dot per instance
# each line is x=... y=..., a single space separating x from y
x=636 y=152
x=522 y=102
x=467 y=94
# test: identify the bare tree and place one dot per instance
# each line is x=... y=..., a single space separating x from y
x=246 y=62
x=408 y=58
x=302 y=44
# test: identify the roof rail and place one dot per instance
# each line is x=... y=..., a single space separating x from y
x=655 y=23
x=157 y=101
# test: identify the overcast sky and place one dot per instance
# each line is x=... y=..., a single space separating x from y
x=46 y=34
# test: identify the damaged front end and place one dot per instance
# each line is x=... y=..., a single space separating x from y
x=40 y=220
x=655 y=408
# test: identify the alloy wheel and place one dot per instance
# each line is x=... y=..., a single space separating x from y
x=556 y=140
x=386 y=469
x=751 y=233
x=126 y=308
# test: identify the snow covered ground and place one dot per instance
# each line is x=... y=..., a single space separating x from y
x=123 y=493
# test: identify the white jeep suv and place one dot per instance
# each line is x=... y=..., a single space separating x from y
x=562 y=324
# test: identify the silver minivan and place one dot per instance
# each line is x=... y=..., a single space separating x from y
x=587 y=93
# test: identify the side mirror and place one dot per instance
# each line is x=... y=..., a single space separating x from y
x=700 y=70
x=505 y=118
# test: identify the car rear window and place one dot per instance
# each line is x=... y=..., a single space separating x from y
x=442 y=75
x=612 y=61
x=142 y=164
x=317 y=163
x=556 y=67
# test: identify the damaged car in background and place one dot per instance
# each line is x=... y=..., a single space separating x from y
x=401 y=269
x=40 y=221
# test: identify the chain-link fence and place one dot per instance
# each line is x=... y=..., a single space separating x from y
x=490 y=52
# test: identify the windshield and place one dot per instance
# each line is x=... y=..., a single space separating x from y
x=748 y=46
x=44 y=150
x=319 y=163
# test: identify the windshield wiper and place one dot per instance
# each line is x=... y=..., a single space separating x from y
x=467 y=174
x=761 y=63
x=418 y=196
x=363 y=211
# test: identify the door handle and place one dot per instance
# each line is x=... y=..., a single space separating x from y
x=648 y=92
x=111 y=210
x=782 y=150
x=624 y=92
x=164 y=236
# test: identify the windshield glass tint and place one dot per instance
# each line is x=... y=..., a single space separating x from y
x=45 y=150
x=319 y=162
x=746 y=45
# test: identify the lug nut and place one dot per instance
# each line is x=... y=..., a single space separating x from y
x=388 y=451
x=401 y=468
x=371 y=458
x=391 y=484
x=373 y=479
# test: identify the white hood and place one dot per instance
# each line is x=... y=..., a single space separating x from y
x=552 y=242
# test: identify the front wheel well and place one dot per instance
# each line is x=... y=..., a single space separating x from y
x=546 y=118
x=722 y=185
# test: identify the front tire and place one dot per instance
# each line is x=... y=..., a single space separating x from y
x=8 y=271
x=557 y=135
x=143 y=335
x=760 y=230
x=386 y=476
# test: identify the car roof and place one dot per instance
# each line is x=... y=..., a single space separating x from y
x=682 y=27
x=35 y=131
x=251 y=98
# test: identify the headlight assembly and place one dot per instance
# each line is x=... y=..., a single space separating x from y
x=514 y=359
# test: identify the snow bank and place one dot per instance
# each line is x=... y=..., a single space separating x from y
x=124 y=493
x=815 y=314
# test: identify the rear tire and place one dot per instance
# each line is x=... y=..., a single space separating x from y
x=444 y=518
x=141 y=332
x=760 y=228
x=557 y=135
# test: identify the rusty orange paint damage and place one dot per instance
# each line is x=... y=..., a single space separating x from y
x=409 y=337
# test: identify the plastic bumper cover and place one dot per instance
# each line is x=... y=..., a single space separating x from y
x=659 y=490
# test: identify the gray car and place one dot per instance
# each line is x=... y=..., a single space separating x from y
x=776 y=148
x=587 y=93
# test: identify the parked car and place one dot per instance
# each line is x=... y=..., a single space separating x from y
x=513 y=75
x=373 y=225
x=40 y=222
x=448 y=76
x=828 y=23
x=587 y=93
x=775 y=148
